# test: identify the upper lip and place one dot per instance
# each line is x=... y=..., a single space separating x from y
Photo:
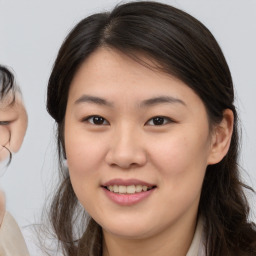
x=127 y=182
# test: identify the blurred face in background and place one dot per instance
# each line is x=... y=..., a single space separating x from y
x=13 y=124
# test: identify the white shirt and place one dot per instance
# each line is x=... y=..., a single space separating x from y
x=12 y=242
x=197 y=247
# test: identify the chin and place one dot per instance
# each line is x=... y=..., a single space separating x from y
x=127 y=230
x=129 y=234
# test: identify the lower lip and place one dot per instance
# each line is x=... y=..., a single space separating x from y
x=128 y=199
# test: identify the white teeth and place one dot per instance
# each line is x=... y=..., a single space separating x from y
x=122 y=189
x=115 y=189
x=138 y=188
x=131 y=189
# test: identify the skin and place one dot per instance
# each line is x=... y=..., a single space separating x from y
x=13 y=126
x=173 y=156
x=13 y=123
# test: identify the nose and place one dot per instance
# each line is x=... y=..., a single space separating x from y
x=126 y=149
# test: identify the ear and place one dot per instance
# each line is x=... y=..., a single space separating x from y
x=13 y=126
x=221 y=137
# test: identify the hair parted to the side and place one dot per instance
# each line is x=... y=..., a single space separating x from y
x=183 y=47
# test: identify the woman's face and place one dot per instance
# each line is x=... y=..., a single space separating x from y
x=130 y=129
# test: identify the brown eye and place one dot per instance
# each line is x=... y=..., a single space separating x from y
x=4 y=122
x=97 y=120
x=159 y=120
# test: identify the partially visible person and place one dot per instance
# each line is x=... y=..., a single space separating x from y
x=13 y=125
x=13 y=115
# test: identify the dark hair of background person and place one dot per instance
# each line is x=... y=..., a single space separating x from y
x=183 y=47
x=6 y=83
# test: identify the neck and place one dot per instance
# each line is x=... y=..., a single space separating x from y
x=174 y=241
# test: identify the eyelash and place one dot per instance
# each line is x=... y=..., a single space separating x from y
x=87 y=119
x=166 y=120
x=4 y=122
x=103 y=121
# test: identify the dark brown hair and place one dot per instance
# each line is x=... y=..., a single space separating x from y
x=6 y=82
x=185 y=48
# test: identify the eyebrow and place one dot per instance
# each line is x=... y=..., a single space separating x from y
x=145 y=103
x=160 y=100
x=93 y=99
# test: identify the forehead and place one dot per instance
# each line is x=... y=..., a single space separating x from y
x=6 y=101
x=10 y=100
x=108 y=71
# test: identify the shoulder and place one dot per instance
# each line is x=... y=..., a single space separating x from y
x=11 y=239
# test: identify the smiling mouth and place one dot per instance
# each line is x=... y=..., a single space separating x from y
x=131 y=189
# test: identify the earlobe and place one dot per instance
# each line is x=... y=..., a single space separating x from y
x=221 y=137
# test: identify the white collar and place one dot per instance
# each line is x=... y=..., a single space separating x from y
x=197 y=245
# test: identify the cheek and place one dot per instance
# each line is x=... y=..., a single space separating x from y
x=181 y=158
x=84 y=152
x=181 y=163
x=85 y=156
x=4 y=155
x=83 y=164
x=80 y=158
x=4 y=141
x=4 y=135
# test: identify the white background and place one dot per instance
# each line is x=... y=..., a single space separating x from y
x=31 y=32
